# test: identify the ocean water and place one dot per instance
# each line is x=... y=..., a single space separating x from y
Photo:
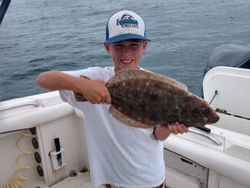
x=41 y=35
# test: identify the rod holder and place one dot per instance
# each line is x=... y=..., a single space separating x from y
x=57 y=163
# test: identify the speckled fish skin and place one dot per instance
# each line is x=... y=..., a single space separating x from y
x=144 y=99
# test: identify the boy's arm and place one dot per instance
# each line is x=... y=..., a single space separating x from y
x=163 y=131
x=93 y=90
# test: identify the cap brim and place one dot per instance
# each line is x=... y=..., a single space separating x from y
x=125 y=37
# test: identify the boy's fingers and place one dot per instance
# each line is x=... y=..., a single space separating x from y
x=177 y=128
x=108 y=100
x=173 y=129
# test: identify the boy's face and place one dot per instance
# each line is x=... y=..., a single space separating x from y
x=126 y=54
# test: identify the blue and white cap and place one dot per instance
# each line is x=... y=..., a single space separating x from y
x=125 y=25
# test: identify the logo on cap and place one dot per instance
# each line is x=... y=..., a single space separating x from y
x=127 y=21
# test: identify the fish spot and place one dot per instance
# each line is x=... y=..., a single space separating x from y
x=204 y=119
x=153 y=97
x=177 y=108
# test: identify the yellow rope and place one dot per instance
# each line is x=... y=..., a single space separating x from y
x=18 y=181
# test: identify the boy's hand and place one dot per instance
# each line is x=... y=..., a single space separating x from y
x=163 y=131
x=95 y=91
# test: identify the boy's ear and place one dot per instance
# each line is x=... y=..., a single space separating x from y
x=145 y=44
x=106 y=45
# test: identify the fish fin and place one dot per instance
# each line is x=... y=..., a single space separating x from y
x=145 y=75
x=126 y=120
x=167 y=80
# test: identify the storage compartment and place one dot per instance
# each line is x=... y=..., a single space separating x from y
x=183 y=172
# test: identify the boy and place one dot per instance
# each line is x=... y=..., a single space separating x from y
x=119 y=155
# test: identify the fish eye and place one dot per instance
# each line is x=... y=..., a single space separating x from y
x=206 y=111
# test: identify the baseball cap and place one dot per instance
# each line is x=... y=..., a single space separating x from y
x=125 y=25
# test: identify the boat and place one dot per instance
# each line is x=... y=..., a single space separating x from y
x=42 y=139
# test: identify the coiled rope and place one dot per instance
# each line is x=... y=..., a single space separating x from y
x=18 y=180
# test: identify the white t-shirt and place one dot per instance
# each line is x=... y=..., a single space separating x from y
x=118 y=154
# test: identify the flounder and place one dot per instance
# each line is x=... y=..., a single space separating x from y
x=144 y=99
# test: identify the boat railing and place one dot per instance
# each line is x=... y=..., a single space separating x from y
x=19 y=105
x=219 y=143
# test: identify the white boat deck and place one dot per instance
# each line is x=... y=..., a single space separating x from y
x=81 y=180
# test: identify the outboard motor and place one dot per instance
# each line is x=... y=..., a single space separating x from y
x=231 y=55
